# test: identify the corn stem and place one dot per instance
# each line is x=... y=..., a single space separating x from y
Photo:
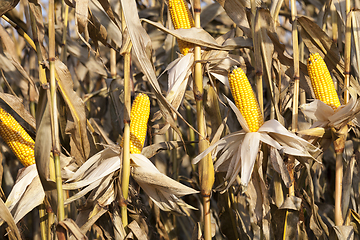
x=54 y=113
x=206 y=168
x=125 y=176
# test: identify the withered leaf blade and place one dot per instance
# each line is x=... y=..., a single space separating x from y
x=342 y=232
x=142 y=50
x=136 y=231
x=236 y=10
x=7 y=5
x=356 y=33
x=163 y=190
x=6 y=216
x=200 y=37
x=77 y=110
x=8 y=48
x=154 y=149
x=71 y=228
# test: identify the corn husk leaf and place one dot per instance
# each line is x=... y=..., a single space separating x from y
x=325 y=116
x=95 y=168
x=236 y=147
x=26 y=194
x=163 y=190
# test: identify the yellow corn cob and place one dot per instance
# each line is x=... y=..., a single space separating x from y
x=245 y=99
x=17 y=138
x=181 y=18
x=321 y=81
x=139 y=117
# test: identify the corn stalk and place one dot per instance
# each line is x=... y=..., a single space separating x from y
x=206 y=168
x=54 y=113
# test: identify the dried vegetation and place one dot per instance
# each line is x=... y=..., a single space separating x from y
x=69 y=70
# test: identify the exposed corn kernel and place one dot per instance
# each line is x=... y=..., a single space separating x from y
x=245 y=99
x=321 y=81
x=181 y=18
x=17 y=138
x=139 y=117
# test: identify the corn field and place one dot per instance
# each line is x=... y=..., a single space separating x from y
x=175 y=119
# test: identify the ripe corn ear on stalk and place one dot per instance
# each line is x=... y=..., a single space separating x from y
x=245 y=99
x=17 y=138
x=181 y=18
x=139 y=117
x=321 y=81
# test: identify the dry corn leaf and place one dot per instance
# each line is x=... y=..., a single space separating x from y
x=26 y=194
x=33 y=196
x=342 y=232
x=95 y=168
x=7 y=5
x=347 y=186
x=279 y=166
x=76 y=106
x=6 y=216
x=154 y=149
x=35 y=8
x=104 y=13
x=200 y=37
x=136 y=231
x=43 y=138
x=87 y=217
x=81 y=19
x=81 y=53
x=317 y=225
x=341 y=9
x=142 y=50
x=8 y=48
x=236 y=10
x=356 y=40
x=263 y=25
x=210 y=12
x=70 y=229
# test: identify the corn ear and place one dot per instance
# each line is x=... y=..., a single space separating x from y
x=245 y=99
x=321 y=81
x=181 y=18
x=17 y=138
x=139 y=117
